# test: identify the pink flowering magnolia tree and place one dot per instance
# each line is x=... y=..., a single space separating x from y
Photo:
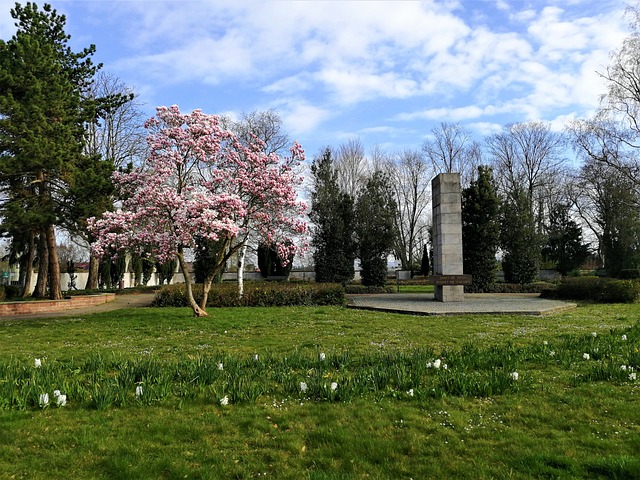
x=199 y=182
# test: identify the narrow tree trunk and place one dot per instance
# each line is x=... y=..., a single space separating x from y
x=241 y=255
x=55 y=290
x=206 y=287
x=92 y=279
x=197 y=311
x=43 y=267
x=27 y=266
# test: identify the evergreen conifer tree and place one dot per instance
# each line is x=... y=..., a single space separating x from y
x=375 y=214
x=480 y=229
x=332 y=214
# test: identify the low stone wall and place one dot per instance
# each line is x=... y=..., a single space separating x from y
x=47 y=306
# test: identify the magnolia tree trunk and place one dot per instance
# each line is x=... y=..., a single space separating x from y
x=241 y=255
x=197 y=311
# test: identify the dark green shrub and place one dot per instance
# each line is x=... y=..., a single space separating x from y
x=256 y=294
x=629 y=274
x=620 y=291
x=9 y=292
x=363 y=289
x=595 y=289
x=535 y=287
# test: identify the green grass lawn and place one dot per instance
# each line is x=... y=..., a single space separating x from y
x=391 y=415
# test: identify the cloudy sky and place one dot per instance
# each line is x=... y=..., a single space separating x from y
x=386 y=72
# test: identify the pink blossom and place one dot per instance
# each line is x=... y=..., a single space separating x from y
x=199 y=181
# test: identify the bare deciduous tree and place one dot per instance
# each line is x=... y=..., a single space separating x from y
x=527 y=156
x=410 y=178
x=266 y=126
x=352 y=167
x=452 y=151
x=119 y=136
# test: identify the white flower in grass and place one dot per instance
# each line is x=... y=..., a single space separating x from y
x=322 y=356
x=429 y=365
x=44 y=399
x=552 y=353
x=139 y=391
x=255 y=357
x=410 y=392
x=514 y=376
x=334 y=386
x=56 y=393
x=37 y=363
x=594 y=334
x=623 y=368
x=624 y=337
x=437 y=363
x=633 y=376
x=586 y=356
x=224 y=400
x=303 y=387
x=220 y=366
x=545 y=343
x=61 y=400
x=445 y=367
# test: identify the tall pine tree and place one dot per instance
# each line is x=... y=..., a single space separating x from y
x=332 y=214
x=42 y=118
x=375 y=215
x=480 y=229
x=564 y=241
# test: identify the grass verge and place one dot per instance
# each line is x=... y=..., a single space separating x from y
x=565 y=416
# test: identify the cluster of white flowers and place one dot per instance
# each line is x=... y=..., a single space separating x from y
x=61 y=399
x=322 y=356
x=437 y=363
x=594 y=334
x=586 y=356
x=514 y=376
x=224 y=400
x=552 y=353
x=303 y=387
x=334 y=386
x=220 y=366
x=624 y=337
x=139 y=391
x=37 y=363
x=632 y=374
x=410 y=392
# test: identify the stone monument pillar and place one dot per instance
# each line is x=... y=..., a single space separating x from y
x=447 y=235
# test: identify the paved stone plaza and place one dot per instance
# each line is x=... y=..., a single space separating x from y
x=485 y=303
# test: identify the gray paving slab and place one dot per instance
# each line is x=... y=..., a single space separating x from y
x=425 y=304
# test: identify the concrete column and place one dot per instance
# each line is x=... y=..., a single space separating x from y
x=447 y=234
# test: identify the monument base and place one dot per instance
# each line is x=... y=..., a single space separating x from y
x=449 y=293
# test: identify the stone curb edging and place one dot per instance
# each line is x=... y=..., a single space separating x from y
x=47 y=306
x=424 y=304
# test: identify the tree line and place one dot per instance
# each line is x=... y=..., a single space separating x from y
x=66 y=127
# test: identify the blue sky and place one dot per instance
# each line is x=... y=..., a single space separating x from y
x=386 y=72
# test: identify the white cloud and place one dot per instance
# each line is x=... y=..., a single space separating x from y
x=301 y=118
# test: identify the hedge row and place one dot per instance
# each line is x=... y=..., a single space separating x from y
x=536 y=287
x=364 y=289
x=258 y=294
x=9 y=292
x=595 y=289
